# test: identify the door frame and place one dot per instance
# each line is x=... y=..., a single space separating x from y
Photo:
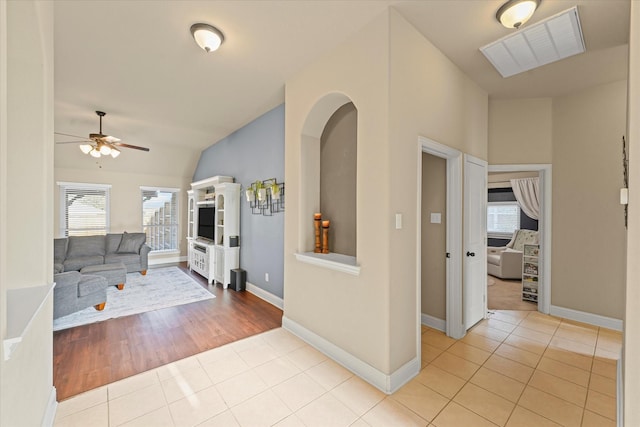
x=544 y=222
x=454 y=313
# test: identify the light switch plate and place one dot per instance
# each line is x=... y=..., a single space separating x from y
x=398 y=221
x=436 y=218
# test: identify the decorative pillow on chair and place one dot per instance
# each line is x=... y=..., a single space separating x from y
x=529 y=237
x=131 y=243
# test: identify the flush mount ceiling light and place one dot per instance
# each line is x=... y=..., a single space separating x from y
x=514 y=13
x=207 y=36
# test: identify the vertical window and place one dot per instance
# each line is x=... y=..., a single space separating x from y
x=84 y=209
x=503 y=218
x=160 y=217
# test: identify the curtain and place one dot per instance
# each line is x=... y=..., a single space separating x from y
x=527 y=192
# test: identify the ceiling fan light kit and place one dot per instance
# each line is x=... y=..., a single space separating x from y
x=514 y=13
x=208 y=37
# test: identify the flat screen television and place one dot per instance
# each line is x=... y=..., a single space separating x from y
x=206 y=222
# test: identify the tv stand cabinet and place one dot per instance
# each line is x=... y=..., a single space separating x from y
x=202 y=259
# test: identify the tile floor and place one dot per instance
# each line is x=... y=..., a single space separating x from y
x=513 y=369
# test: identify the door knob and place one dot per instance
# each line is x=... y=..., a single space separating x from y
x=471 y=253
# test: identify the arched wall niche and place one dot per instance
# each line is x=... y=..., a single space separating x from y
x=310 y=144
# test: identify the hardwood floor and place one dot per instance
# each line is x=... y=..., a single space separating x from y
x=93 y=355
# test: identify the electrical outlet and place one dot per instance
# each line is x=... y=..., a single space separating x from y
x=266 y=277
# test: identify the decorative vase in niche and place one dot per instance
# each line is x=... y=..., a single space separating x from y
x=251 y=195
x=262 y=194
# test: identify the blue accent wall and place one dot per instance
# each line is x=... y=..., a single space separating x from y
x=254 y=152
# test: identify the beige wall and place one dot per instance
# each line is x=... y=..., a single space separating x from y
x=125 y=200
x=338 y=169
x=588 y=241
x=26 y=169
x=631 y=351
x=388 y=70
x=434 y=236
x=520 y=131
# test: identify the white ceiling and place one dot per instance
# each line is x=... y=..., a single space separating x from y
x=136 y=60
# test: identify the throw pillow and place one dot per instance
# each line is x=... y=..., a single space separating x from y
x=525 y=237
x=131 y=243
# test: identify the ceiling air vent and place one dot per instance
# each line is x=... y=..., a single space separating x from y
x=550 y=40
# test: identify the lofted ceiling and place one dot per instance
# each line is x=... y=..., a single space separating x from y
x=137 y=61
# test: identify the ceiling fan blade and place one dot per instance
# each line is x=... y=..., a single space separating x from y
x=135 y=147
x=84 y=141
x=110 y=139
x=84 y=138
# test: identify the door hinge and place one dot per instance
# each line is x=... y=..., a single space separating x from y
x=448 y=255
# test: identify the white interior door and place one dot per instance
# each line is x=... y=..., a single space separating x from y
x=475 y=241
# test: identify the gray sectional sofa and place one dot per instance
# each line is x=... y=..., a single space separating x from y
x=74 y=253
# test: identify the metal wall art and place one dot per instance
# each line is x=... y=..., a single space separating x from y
x=265 y=197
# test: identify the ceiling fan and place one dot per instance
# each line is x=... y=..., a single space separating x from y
x=99 y=144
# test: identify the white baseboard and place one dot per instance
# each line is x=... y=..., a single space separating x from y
x=267 y=296
x=433 y=322
x=166 y=260
x=386 y=383
x=584 y=317
x=52 y=407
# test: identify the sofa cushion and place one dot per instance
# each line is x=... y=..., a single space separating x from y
x=81 y=246
x=493 y=259
x=58 y=268
x=123 y=258
x=59 y=250
x=131 y=243
x=112 y=242
x=90 y=284
x=75 y=264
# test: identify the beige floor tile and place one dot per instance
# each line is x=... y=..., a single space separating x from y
x=607 y=354
x=437 y=339
x=521 y=417
x=507 y=367
x=225 y=352
x=291 y=421
x=572 y=346
x=481 y=342
x=259 y=355
x=176 y=368
x=491 y=333
x=454 y=415
x=604 y=368
x=224 y=419
x=186 y=383
x=559 y=387
x=248 y=343
x=277 y=370
x=441 y=381
x=577 y=333
x=282 y=340
x=569 y=322
x=574 y=359
x=264 y=409
x=470 y=353
x=329 y=374
x=551 y=407
x=545 y=318
x=499 y=384
x=391 y=413
x=518 y=355
x=298 y=391
x=564 y=371
x=81 y=402
x=456 y=365
x=197 y=408
x=306 y=357
x=327 y=411
x=490 y=406
x=95 y=416
x=131 y=384
x=129 y=407
x=429 y=353
x=540 y=325
x=358 y=423
x=500 y=325
x=240 y=388
x=591 y=419
x=159 y=418
x=224 y=369
x=601 y=404
x=525 y=344
x=420 y=399
x=509 y=316
x=533 y=335
x=608 y=343
x=603 y=385
x=358 y=395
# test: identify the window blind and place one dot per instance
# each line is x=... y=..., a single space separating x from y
x=503 y=218
x=160 y=219
x=84 y=209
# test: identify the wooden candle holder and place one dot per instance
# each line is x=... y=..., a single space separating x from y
x=325 y=237
x=317 y=219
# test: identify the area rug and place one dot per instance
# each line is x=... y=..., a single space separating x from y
x=160 y=288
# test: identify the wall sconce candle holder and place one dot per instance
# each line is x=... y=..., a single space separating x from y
x=265 y=197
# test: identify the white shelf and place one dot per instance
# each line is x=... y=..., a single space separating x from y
x=332 y=261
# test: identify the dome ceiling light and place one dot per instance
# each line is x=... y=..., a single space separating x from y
x=514 y=13
x=207 y=36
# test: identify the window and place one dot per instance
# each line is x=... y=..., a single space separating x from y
x=503 y=218
x=84 y=209
x=160 y=217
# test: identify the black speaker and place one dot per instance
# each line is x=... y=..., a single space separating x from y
x=233 y=241
x=238 y=279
